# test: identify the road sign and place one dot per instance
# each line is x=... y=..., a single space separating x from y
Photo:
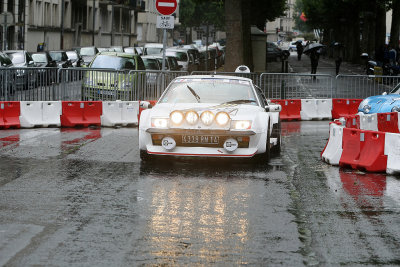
x=165 y=22
x=6 y=18
x=166 y=7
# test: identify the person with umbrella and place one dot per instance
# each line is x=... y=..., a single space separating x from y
x=338 y=55
x=299 y=47
x=312 y=50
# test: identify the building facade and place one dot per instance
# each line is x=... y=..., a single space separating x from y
x=282 y=28
x=63 y=24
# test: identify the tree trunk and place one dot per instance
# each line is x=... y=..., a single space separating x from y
x=395 y=29
x=234 y=55
x=247 y=44
x=380 y=30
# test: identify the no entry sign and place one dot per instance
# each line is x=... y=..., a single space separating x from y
x=166 y=7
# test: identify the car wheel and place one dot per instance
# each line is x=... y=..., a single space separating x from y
x=264 y=157
x=276 y=133
x=144 y=156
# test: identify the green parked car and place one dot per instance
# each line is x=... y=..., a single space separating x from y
x=113 y=76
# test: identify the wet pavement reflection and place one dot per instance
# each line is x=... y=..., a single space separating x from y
x=83 y=197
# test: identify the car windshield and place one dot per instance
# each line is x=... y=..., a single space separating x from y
x=130 y=50
x=180 y=56
x=150 y=64
x=41 y=58
x=88 y=51
x=396 y=90
x=58 y=56
x=113 y=62
x=210 y=90
x=72 y=55
x=5 y=60
x=17 y=57
x=153 y=50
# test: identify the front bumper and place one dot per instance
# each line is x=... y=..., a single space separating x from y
x=253 y=145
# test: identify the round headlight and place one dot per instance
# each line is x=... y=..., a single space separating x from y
x=207 y=117
x=396 y=109
x=192 y=117
x=222 y=118
x=366 y=109
x=176 y=117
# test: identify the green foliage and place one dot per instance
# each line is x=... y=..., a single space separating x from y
x=194 y=13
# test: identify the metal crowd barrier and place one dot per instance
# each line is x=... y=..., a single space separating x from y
x=54 y=84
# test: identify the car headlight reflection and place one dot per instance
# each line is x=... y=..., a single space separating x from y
x=192 y=117
x=366 y=109
x=396 y=109
x=176 y=117
x=159 y=122
x=222 y=118
x=241 y=125
x=207 y=117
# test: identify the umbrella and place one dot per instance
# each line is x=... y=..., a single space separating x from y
x=312 y=46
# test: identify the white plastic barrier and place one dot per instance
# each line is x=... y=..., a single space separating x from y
x=40 y=114
x=392 y=150
x=368 y=121
x=334 y=149
x=316 y=109
x=120 y=113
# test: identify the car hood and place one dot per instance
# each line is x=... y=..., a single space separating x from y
x=380 y=103
x=237 y=111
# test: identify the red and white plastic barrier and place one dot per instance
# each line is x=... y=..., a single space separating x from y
x=373 y=151
x=319 y=109
x=9 y=114
x=40 y=114
x=120 y=113
x=333 y=150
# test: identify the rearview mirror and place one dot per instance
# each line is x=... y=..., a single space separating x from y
x=273 y=108
x=145 y=105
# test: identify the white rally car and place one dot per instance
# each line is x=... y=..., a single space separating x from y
x=210 y=116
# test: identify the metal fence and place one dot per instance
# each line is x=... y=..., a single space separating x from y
x=45 y=84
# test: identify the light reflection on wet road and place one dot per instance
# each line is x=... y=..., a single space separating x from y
x=82 y=197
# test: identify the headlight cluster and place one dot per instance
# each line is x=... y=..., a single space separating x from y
x=396 y=109
x=366 y=108
x=206 y=117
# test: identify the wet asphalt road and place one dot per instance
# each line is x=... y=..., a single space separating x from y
x=81 y=197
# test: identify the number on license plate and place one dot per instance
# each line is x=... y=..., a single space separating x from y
x=200 y=139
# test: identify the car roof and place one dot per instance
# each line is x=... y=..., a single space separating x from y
x=158 y=45
x=117 y=54
x=222 y=77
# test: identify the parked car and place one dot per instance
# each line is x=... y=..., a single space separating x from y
x=61 y=58
x=116 y=81
x=25 y=75
x=117 y=48
x=75 y=58
x=47 y=71
x=184 y=58
x=139 y=50
x=171 y=62
x=210 y=116
x=275 y=53
x=152 y=48
x=88 y=53
x=151 y=63
x=130 y=50
x=6 y=76
x=382 y=103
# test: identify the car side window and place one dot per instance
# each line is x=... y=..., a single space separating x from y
x=261 y=96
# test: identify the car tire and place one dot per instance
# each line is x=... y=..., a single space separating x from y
x=276 y=133
x=144 y=156
x=264 y=157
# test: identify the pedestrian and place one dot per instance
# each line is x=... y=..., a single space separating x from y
x=299 y=47
x=338 y=54
x=314 y=57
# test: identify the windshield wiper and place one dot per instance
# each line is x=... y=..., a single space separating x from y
x=194 y=93
x=240 y=101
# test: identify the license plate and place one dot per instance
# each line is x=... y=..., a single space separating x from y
x=200 y=139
